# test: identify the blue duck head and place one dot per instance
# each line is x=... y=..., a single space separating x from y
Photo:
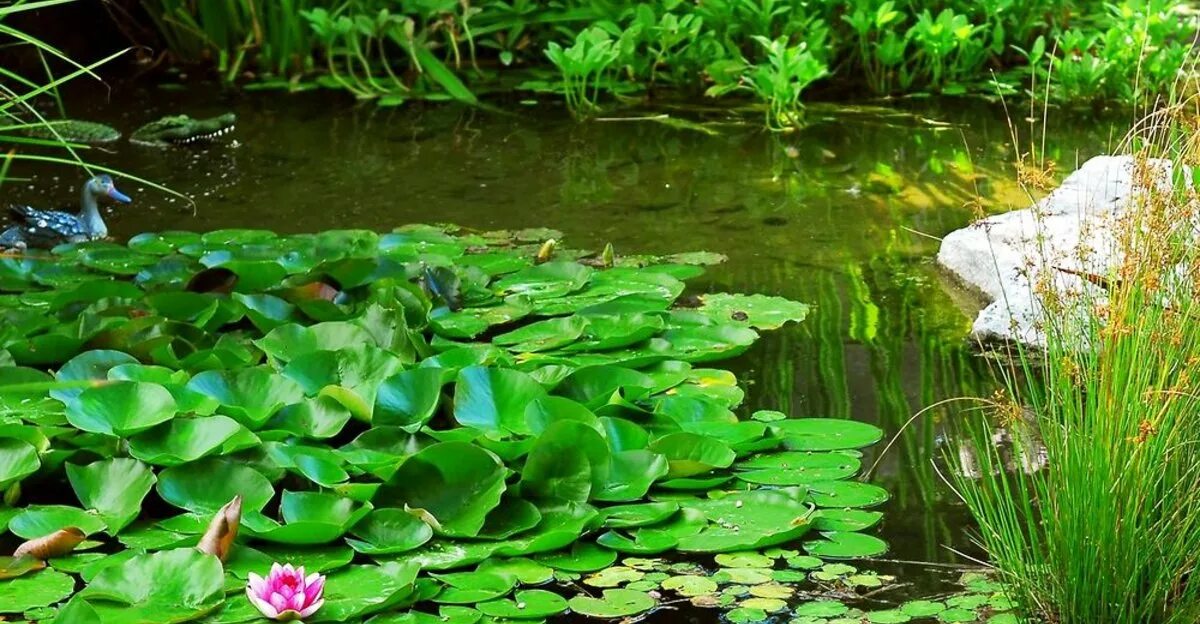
x=103 y=185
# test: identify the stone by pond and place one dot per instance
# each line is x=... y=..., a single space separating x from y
x=1014 y=258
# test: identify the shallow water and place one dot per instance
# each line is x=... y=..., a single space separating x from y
x=807 y=216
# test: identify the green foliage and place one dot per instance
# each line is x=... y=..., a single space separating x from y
x=771 y=50
x=389 y=439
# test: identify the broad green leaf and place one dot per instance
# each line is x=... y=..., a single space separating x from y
x=112 y=487
x=205 y=486
x=168 y=586
x=494 y=399
x=458 y=483
x=123 y=408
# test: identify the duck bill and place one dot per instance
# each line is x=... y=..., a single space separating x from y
x=118 y=195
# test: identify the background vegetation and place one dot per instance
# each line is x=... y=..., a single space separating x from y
x=773 y=51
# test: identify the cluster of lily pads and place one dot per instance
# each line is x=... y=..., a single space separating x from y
x=452 y=426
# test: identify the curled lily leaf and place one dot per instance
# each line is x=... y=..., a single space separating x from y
x=53 y=545
x=546 y=251
x=222 y=530
x=608 y=258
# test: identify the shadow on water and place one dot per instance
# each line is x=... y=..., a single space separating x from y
x=826 y=216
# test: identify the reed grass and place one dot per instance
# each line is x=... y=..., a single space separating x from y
x=1110 y=531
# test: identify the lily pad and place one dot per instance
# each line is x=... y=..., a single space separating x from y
x=389 y=531
x=172 y=585
x=846 y=546
x=758 y=311
x=613 y=603
x=525 y=604
x=31 y=591
x=122 y=408
x=35 y=521
x=114 y=488
x=458 y=483
x=205 y=486
x=826 y=434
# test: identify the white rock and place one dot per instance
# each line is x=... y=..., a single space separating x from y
x=1005 y=256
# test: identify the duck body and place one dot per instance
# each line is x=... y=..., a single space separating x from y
x=43 y=229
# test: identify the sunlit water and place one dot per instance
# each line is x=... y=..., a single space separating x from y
x=844 y=215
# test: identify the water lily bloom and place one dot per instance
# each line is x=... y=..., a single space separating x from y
x=286 y=594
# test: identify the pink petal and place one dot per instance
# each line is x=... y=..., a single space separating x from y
x=287 y=592
x=297 y=602
x=314 y=588
x=311 y=609
x=263 y=606
x=278 y=601
x=300 y=572
x=258 y=584
x=276 y=572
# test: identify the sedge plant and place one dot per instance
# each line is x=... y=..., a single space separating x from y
x=1109 y=532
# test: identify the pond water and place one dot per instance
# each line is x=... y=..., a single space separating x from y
x=843 y=215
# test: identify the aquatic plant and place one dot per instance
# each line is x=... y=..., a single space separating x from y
x=1108 y=532
x=396 y=52
x=228 y=400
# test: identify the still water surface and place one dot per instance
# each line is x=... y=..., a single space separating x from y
x=843 y=215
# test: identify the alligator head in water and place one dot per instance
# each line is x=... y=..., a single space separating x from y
x=181 y=129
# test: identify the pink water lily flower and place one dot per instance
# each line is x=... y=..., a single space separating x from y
x=286 y=594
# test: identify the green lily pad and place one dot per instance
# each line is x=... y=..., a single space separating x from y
x=205 y=486
x=356 y=591
x=37 y=520
x=758 y=311
x=389 y=531
x=32 y=591
x=846 y=494
x=846 y=546
x=250 y=396
x=171 y=585
x=494 y=399
x=922 y=608
x=690 y=585
x=121 y=408
x=473 y=587
x=625 y=516
x=826 y=434
x=689 y=454
x=957 y=615
x=458 y=483
x=18 y=459
x=184 y=440
x=114 y=488
x=525 y=604
x=613 y=603
x=821 y=608
x=890 y=616
x=582 y=557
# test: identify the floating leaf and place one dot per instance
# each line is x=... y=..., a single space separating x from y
x=457 y=482
x=613 y=603
x=112 y=487
x=121 y=408
x=205 y=486
x=32 y=591
x=40 y=520
x=826 y=434
x=389 y=531
x=846 y=546
x=172 y=585
x=525 y=604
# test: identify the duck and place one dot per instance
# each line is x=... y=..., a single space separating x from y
x=47 y=228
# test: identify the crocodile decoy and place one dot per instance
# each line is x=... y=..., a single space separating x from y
x=47 y=228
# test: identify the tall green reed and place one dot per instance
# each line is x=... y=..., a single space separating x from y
x=1109 y=532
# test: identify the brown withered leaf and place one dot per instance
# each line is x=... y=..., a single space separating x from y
x=53 y=545
x=222 y=530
